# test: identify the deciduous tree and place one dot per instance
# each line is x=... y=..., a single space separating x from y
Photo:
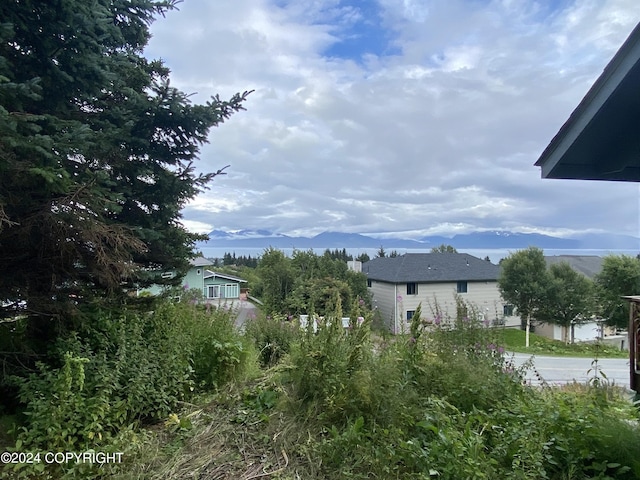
x=363 y=257
x=277 y=277
x=620 y=276
x=523 y=282
x=569 y=298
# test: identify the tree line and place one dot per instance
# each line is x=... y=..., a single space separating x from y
x=230 y=258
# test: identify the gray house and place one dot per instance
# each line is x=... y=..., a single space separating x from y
x=587 y=265
x=399 y=284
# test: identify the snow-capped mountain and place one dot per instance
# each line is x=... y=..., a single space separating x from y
x=496 y=239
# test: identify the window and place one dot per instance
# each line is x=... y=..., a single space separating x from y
x=198 y=272
x=507 y=310
x=167 y=275
x=368 y=282
x=412 y=288
x=230 y=290
x=410 y=314
x=462 y=287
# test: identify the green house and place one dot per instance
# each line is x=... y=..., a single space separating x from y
x=213 y=285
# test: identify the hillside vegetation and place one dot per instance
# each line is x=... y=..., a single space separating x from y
x=184 y=395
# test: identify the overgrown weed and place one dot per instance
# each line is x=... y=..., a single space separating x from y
x=440 y=402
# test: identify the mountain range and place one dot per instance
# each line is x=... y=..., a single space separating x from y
x=495 y=239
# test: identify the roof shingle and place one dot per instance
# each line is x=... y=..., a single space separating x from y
x=430 y=267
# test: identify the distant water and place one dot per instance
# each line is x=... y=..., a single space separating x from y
x=494 y=254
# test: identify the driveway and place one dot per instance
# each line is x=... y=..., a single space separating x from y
x=560 y=370
x=246 y=311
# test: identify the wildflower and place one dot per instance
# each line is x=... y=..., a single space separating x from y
x=465 y=319
x=185 y=286
x=360 y=320
x=361 y=302
x=500 y=350
x=486 y=322
x=399 y=298
x=438 y=319
x=491 y=346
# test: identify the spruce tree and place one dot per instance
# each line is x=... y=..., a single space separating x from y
x=96 y=155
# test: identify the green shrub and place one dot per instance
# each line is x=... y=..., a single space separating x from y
x=272 y=336
x=121 y=369
x=219 y=353
x=330 y=370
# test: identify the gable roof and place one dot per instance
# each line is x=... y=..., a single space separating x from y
x=599 y=141
x=430 y=268
x=200 y=262
x=588 y=265
x=209 y=274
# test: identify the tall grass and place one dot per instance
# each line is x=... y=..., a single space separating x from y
x=441 y=402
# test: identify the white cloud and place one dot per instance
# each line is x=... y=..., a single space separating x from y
x=438 y=135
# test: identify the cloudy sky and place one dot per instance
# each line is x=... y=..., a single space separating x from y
x=380 y=116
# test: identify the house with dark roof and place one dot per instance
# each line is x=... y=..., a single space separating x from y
x=399 y=284
x=587 y=265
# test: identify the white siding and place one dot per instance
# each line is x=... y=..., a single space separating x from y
x=587 y=332
x=384 y=301
x=393 y=302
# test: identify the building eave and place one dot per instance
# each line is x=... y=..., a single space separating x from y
x=210 y=274
x=600 y=140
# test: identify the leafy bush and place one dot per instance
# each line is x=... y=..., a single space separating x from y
x=218 y=353
x=272 y=336
x=330 y=370
x=123 y=369
x=442 y=402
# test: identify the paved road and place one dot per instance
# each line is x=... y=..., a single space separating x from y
x=559 y=370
